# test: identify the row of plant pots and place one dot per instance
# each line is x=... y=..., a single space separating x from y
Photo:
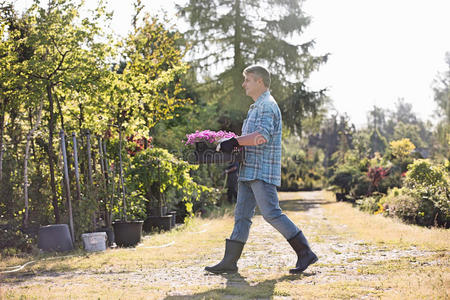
x=57 y=237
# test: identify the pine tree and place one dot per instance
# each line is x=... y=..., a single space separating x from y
x=232 y=34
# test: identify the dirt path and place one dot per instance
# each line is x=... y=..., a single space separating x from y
x=344 y=263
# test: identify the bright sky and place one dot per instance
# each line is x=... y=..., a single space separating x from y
x=380 y=50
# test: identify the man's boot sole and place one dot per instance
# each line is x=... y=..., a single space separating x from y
x=298 y=271
x=221 y=271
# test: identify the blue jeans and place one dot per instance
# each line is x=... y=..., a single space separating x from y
x=258 y=192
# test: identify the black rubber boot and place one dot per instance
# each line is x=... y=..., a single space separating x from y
x=233 y=250
x=305 y=255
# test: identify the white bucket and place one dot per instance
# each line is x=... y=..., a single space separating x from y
x=95 y=241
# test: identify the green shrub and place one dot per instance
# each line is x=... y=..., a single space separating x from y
x=14 y=241
x=403 y=206
x=411 y=207
x=345 y=177
x=154 y=173
x=393 y=180
x=361 y=186
x=208 y=201
x=424 y=172
x=431 y=184
x=369 y=204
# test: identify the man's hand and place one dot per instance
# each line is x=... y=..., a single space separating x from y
x=227 y=145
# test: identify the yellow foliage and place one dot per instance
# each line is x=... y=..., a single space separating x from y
x=402 y=148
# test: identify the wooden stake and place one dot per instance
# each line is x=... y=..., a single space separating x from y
x=66 y=175
x=77 y=173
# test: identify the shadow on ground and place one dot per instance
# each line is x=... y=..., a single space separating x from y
x=237 y=286
x=301 y=205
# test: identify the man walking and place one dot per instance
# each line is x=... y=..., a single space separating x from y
x=259 y=175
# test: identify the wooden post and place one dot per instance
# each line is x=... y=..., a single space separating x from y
x=91 y=183
x=160 y=204
x=100 y=154
x=110 y=195
x=88 y=140
x=66 y=175
x=124 y=211
x=2 y=149
x=77 y=173
x=105 y=184
x=113 y=185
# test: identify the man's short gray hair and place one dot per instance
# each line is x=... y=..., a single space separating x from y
x=260 y=72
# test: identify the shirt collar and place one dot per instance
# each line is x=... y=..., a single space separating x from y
x=260 y=98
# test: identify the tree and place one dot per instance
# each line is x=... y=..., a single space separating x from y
x=409 y=131
x=18 y=98
x=403 y=112
x=7 y=58
x=442 y=98
x=335 y=138
x=401 y=148
x=442 y=92
x=145 y=88
x=376 y=119
x=403 y=123
x=66 y=58
x=232 y=34
x=378 y=142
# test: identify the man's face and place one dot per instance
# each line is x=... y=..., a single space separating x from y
x=252 y=85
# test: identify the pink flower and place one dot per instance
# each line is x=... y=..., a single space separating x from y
x=207 y=136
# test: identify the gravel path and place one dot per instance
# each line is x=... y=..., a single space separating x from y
x=266 y=255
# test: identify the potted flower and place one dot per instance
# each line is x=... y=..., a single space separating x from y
x=128 y=230
x=205 y=147
x=157 y=174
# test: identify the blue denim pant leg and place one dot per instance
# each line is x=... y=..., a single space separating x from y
x=257 y=192
x=243 y=212
x=267 y=200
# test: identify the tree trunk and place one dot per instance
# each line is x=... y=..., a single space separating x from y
x=238 y=62
x=51 y=154
x=237 y=102
x=25 y=168
x=2 y=128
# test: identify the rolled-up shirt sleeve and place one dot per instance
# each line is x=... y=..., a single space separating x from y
x=265 y=122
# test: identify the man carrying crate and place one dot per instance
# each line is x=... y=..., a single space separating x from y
x=259 y=175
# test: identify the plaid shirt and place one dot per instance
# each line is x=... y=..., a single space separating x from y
x=263 y=162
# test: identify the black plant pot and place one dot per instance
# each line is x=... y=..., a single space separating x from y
x=174 y=217
x=180 y=219
x=127 y=233
x=55 y=238
x=109 y=233
x=158 y=211
x=158 y=223
x=206 y=153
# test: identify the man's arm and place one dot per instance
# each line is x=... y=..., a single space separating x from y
x=252 y=139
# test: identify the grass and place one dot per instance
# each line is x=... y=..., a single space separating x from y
x=130 y=273
x=383 y=230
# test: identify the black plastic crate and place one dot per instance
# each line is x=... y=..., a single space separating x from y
x=206 y=153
